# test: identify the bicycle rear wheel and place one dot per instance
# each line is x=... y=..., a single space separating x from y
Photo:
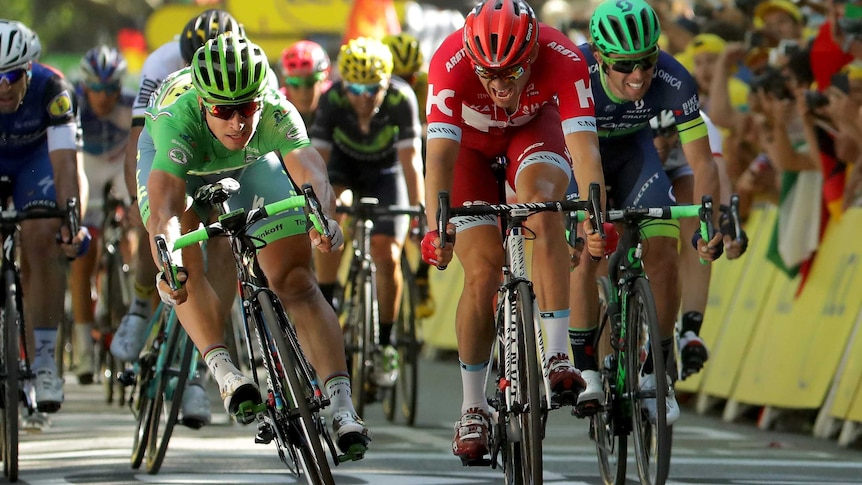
x=10 y=395
x=304 y=425
x=525 y=427
x=643 y=347
x=607 y=426
x=114 y=304
x=167 y=401
x=408 y=344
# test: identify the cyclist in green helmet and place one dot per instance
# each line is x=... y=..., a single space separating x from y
x=637 y=82
x=217 y=119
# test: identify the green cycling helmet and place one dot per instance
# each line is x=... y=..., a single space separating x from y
x=229 y=69
x=624 y=27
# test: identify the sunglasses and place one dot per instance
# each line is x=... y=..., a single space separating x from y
x=109 y=88
x=358 y=89
x=628 y=66
x=304 y=81
x=12 y=77
x=226 y=111
x=507 y=74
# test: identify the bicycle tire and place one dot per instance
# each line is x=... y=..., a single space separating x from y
x=142 y=406
x=607 y=428
x=171 y=384
x=652 y=442
x=10 y=349
x=407 y=343
x=525 y=455
x=114 y=304
x=311 y=455
x=360 y=343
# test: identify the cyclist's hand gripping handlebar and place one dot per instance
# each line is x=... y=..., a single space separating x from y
x=736 y=241
x=170 y=274
x=429 y=242
x=78 y=241
x=706 y=232
x=323 y=226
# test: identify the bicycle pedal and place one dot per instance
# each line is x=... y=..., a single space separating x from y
x=264 y=434
x=586 y=409
x=127 y=377
x=247 y=412
x=354 y=452
x=564 y=398
x=483 y=461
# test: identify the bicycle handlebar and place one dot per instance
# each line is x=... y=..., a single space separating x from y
x=308 y=201
x=369 y=207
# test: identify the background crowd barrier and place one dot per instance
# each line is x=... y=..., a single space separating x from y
x=768 y=349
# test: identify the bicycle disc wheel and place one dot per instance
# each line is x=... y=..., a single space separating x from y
x=172 y=377
x=524 y=436
x=10 y=396
x=652 y=440
x=408 y=345
x=305 y=423
x=606 y=426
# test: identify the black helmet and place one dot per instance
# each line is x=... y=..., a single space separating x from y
x=204 y=27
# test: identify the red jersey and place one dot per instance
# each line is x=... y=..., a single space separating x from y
x=460 y=109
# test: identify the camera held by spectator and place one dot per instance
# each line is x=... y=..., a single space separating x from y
x=773 y=82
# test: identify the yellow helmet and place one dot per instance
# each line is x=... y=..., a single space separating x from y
x=364 y=60
x=406 y=54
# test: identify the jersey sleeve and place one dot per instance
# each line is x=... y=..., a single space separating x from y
x=682 y=99
x=448 y=67
x=281 y=127
x=406 y=116
x=174 y=151
x=61 y=106
x=565 y=67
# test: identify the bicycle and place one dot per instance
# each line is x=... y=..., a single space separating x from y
x=14 y=356
x=114 y=291
x=290 y=411
x=158 y=380
x=522 y=396
x=628 y=336
x=360 y=315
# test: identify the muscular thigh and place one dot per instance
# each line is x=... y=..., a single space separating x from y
x=33 y=180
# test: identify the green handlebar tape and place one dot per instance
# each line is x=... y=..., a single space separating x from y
x=190 y=238
x=680 y=211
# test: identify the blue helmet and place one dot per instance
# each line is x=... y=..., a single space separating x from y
x=103 y=65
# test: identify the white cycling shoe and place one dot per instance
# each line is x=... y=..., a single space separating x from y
x=648 y=384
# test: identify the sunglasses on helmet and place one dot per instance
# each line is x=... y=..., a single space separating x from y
x=13 y=76
x=226 y=111
x=304 y=81
x=628 y=66
x=109 y=88
x=506 y=74
x=359 y=89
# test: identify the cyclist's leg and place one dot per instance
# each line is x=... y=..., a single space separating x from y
x=695 y=285
x=342 y=174
x=478 y=248
x=130 y=336
x=541 y=173
x=44 y=291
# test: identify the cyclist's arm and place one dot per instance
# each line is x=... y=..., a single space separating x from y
x=306 y=166
x=441 y=154
x=583 y=146
x=411 y=162
x=131 y=161
x=167 y=199
x=706 y=179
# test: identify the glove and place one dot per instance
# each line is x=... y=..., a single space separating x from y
x=165 y=294
x=337 y=235
x=719 y=250
x=729 y=229
x=85 y=242
x=612 y=237
x=429 y=249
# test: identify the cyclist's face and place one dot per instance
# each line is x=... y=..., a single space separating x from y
x=630 y=86
x=11 y=94
x=102 y=102
x=304 y=91
x=365 y=99
x=234 y=133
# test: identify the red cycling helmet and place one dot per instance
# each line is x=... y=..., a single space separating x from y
x=500 y=33
x=304 y=58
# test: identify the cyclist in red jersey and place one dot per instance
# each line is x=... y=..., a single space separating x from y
x=305 y=75
x=506 y=85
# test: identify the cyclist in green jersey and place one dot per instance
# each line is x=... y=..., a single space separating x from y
x=216 y=119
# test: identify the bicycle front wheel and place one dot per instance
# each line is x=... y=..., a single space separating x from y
x=9 y=357
x=652 y=440
x=608 y=425
x=359 y=344
x=304 y=433
x=172 y=373
x=525 y=427
x=408 y=344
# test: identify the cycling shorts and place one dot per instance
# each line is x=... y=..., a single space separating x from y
x=32 y=178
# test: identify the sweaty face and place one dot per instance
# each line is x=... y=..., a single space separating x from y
x=236 y=131
x=504 y=86
x=11 y=94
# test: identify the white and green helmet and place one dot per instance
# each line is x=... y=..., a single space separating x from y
x=229 y=69
x=624 y=27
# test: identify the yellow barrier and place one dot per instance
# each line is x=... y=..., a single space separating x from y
x=743 y=311
x=723 y=292
x=797 y=346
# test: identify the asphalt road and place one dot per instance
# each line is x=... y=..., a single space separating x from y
x=89 y=442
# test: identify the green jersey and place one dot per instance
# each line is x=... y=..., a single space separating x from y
x=184 y=144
